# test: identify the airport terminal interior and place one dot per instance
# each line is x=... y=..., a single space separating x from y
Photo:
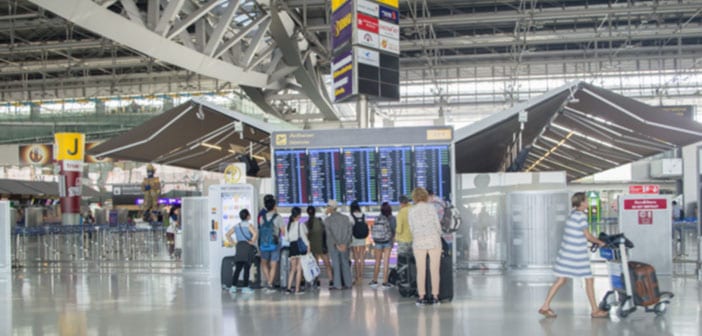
x=350 y=167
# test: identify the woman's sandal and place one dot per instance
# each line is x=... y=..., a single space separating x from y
x=548 y=313
x=600 y=314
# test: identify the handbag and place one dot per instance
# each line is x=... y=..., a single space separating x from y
x=301 y=246
x=310 y=267
x=245 y=252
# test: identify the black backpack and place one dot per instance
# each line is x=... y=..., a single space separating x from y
x=360 y=227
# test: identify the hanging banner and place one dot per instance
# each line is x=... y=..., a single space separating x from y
x=36 y=154
x=342 y=26
x=342 y=75
x=69 y=151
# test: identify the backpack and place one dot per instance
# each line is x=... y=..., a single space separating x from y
x=450 y=221
x=381 y=231
x=268 y=241
x=360 y=228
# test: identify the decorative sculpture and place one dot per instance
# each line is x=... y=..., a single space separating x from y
x=151 y=186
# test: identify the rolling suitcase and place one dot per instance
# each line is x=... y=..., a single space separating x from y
x=227 y=272
x=644 y=284
x=445 y=280
x=284 y=267
x=406 y=275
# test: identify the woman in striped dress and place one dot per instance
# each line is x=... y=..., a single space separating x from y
x=573 y=259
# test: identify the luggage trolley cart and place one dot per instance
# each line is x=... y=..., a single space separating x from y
x=622 y=295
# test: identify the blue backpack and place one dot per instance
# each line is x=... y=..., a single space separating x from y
x=268 y=240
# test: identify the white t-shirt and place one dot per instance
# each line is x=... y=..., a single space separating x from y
x=293 y=235
x=171 y=227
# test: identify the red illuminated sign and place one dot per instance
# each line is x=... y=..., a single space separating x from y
x=645 y=189
x=368 y=23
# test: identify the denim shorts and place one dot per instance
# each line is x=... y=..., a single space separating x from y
x=271 y=256
x=382 y=246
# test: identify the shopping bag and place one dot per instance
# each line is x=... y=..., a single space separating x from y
x=310 y=267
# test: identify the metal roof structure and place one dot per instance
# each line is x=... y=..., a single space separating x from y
x=579 y=128
x=37 y=188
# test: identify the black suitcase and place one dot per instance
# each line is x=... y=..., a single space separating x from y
x=445 y=280
x=407 y=274
x=227 y=272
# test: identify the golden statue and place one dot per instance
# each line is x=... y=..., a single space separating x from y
x=152 y=190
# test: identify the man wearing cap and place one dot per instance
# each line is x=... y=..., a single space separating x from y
x=338 y=230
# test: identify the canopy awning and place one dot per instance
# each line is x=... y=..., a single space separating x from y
x=196 y=135
x=37 y=188
x=579 y=128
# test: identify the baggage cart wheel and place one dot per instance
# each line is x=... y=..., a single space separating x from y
x=660 y=308
x=623 y=311
x=607 y=301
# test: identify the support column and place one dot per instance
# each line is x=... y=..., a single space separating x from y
x=5 y=238
x=167 y=103
x=34 y=111
x=100 y=108
x=362 y=111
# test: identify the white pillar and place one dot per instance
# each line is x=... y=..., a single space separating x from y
x=362 y=111
x=5 y=238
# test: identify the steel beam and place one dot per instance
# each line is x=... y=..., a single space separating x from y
x=169 y=14
x=90 y=16
x=225 y=20
x=194 y=16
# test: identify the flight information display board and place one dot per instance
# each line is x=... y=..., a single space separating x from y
x=325 y=175
x=291 y=177
x=394 y=173
x=360 y=175
x=432 y=170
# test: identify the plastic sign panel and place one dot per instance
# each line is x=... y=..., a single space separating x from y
x=367 y=56
x=390 y=45
x=653 y=189
x=389 y=14
x=342 y=76
x=389 y=30
x=367 y=23
x=367 y=39
x=342 y=26
x=647 y=221
x=646 y=204
x=69 y=146
x=391 y=3
x=367 y=7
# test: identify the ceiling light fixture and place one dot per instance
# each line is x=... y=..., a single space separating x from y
x=204 y=144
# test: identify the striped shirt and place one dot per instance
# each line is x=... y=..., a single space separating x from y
x=573 y=259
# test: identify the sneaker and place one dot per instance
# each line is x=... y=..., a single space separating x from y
x=437 y=301
x=269 y=290
x=288 y=291
x=387 y=285
x=300 y=292
x=331 y=284
x=420 y=302
x=373 y=284
x=247 y=290
x=233 y=289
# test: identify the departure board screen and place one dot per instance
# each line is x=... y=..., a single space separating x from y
x=325 y=176
x=432 y=170
x=291 y=177
x=360 y=175
x=394 y=173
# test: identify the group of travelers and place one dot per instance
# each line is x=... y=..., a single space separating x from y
x=339 y=242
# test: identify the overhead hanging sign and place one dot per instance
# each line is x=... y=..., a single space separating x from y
x=389 y=30
x=367 y=56
x=652 y=189
x=342 y=27
x=368 y=7
x=342 y=76
x=391 y=3
x=367 y=23
x=389 y=14
x=390 y=45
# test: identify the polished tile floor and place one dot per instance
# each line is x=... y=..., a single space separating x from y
x=123 y=302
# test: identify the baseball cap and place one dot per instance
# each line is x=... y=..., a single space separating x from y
x=332 y=204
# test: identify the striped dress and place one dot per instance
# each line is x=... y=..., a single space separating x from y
x=573 y=259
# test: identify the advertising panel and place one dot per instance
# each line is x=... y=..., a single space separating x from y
x=389 y=30
x=342 y=75
x=367 y=23
x=366 y=56
x=35 y=154
x=390 y=45
x=389 y=14
x=368 y=7
x=342 y=26
x=368 y=39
